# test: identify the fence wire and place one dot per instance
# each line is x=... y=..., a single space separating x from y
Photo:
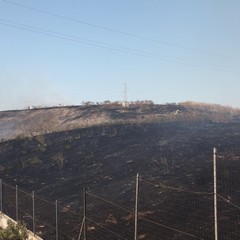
x=164 y=212
x=174 y=213
x=228 y=168
x=107 y=216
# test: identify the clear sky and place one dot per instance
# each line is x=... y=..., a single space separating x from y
x=70 y=51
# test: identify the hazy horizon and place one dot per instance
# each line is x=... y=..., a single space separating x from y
x=66 y=52
x=39 y=106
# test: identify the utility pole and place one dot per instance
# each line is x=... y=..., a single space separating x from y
x=215 y=192
x=136 y=208
x=125 y=102
x=84 y=214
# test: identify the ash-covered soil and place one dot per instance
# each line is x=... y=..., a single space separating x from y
x=59 y=151
x=106 y=159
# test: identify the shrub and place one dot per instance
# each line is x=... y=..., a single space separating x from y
x=14 y=232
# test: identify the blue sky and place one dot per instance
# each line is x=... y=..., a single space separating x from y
x=70 y=51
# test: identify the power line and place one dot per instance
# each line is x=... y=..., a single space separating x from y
x=113 y=30
x=110 y=47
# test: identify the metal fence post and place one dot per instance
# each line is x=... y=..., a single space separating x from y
x=84 y=213
x=215 y=192
x=33 y=206
x=81 y=228
x=1 y=195
x=136 y=209
x=56 y=204
x=17 y=203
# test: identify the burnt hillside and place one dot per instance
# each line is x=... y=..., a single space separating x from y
x=38 y=121
x=106 y=158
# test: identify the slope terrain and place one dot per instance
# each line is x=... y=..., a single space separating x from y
x=59 y=151
x=39 y=121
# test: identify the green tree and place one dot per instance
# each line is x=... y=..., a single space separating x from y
x=14 y=232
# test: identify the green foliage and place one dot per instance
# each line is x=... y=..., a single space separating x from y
x=41 y=139
x=14 y=232
x=34 y=161
x=60 y=160
x=67 y=146
x=41 y=145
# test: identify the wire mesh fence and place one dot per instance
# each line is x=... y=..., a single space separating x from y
x=154 y=211
x=228 y=168
x=45 y=218
x=174 y=212
x=8 y=200
x=109 y=217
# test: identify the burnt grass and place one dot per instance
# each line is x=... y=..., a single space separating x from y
x=106 y=159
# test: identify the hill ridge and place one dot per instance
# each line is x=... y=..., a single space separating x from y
x=38 y=121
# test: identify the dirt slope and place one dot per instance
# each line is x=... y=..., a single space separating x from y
x=39 y=121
